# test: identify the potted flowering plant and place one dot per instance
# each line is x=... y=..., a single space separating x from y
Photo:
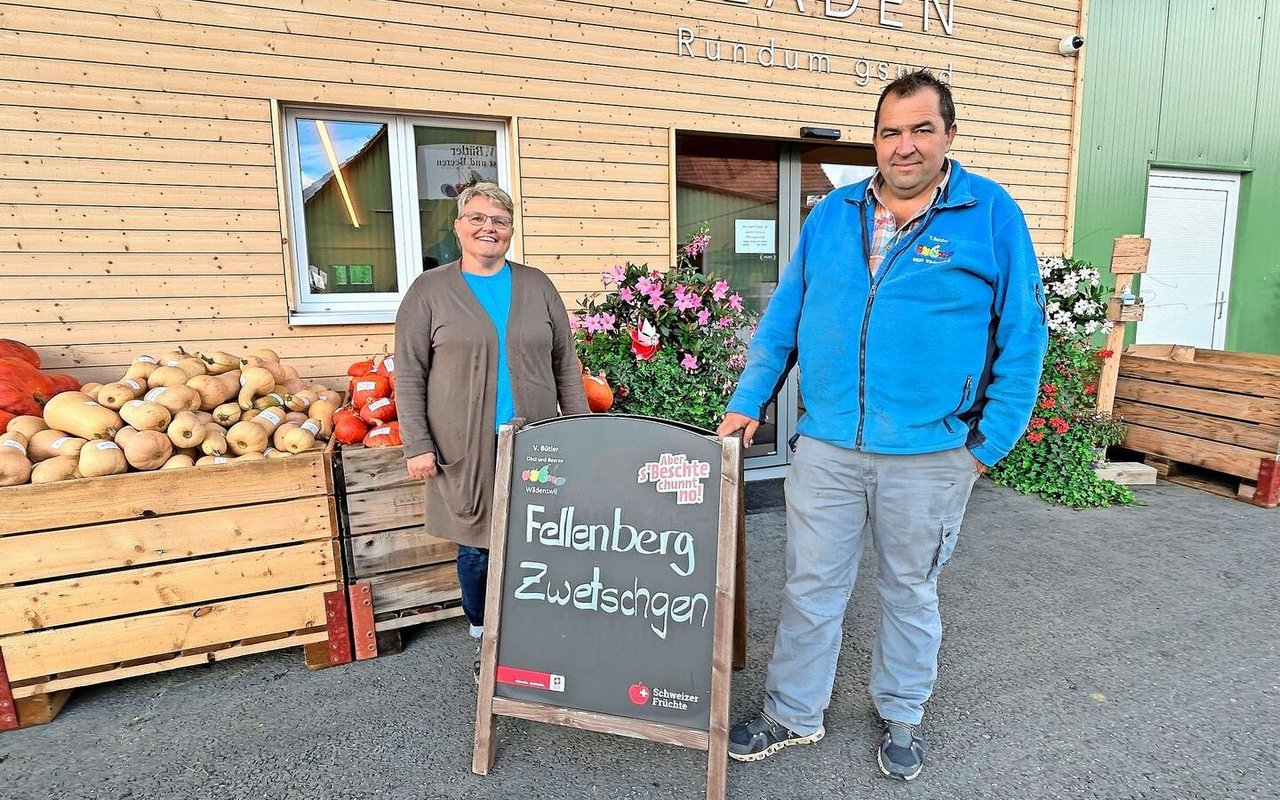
x=1056 y=455
x=671 y=344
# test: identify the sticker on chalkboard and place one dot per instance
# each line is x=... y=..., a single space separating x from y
x=675 y=474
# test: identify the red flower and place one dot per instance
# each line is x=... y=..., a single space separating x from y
x=1034 y=436
x=1036 y=422
x=1048 y=388
x=1048 y=402
x=1090 y=388
x=1105 y=354
x=1059 y=425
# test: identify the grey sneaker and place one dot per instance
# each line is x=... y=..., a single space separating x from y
x=476 y=666
x=761 y=737
x=901 y=754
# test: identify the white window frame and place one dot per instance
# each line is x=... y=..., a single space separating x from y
x=374 y=307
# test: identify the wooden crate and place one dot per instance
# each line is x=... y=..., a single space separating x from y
x=1207 y=418
x=109 y=578
x=399 y=575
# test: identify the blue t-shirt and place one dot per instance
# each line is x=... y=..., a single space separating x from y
x=494 y=293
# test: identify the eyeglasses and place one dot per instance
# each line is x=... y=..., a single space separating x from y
x=475 y=219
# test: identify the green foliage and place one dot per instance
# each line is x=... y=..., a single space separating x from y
x=1056 y=455
x=671 y=345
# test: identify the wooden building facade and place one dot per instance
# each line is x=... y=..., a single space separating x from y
x=153 y=155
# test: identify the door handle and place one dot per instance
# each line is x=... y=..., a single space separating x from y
x=1222 y=301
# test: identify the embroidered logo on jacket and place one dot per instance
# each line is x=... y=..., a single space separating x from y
x=934 y=251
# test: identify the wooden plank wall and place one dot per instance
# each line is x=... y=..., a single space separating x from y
x=138 y=197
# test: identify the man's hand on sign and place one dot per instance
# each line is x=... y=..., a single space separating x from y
x=423 y=466
x=738 y=422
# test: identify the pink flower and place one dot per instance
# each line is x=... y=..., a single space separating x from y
x=724 y=322
x=626 y=295
x=689 y=362
x=645 y=285
x=720 y=290
x=686 y=300
x=601 y=323
x=575 y=322
x=696 y=245
x=704 y=316
x=656 y=300
x=735 y=301
x=618 y=273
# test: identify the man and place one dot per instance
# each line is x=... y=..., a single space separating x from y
x=914 y=307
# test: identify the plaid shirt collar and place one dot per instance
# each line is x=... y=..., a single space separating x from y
x=886 y=229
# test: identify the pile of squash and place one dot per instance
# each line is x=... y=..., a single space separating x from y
x=370 y=415
x=180 y=410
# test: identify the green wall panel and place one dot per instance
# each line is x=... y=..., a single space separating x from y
x=1186 y=83
x=1209 y=93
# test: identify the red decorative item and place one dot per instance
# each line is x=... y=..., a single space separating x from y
x=379 y=411
x=384 y=436
x=368 y=387
x=599 y=395
x=12 y=348
x=644 y=341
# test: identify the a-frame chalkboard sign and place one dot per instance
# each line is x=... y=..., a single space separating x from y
x=611 y=583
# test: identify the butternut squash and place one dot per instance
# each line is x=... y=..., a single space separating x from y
x=15 y=467
x=215 y=390
x=140 y=369
x=270 y=365
x=206 y=461
x=296 y=417
x=215 y=440
x=175 y=398
x=80 y=415
x=270 y=418
x=145 y=450
x=58 y=468
x=192 y=366
x=26 y=424
x=167 y=376
x=273 y=399
x=248 y=437
x=203 y=416
x=272 y=453
x=179 y=461
x=266 y=354
x=254 y=382
x=171 y=358
x=48 y=443
x=145 y=415
x=322 y=411
x=296 y=438
x=101 y=458
x=227 y=414
x=251 y=457
x=91 y=388
x=300 y=400
x=219 y=362
x=186 y=430
x=115 y=395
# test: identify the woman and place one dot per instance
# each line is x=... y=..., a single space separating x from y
x=478 y=342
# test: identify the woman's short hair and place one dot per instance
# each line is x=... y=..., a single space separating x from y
x=489 y=191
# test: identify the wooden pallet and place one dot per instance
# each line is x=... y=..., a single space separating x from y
x=1212 y=418
x=399 y=575
x=110 y=578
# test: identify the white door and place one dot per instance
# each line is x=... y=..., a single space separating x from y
x=1191 y=222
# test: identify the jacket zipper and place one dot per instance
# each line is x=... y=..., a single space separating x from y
x=866 y=317
x=968 y=384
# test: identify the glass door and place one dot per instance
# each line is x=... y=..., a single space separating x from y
x=754 y=194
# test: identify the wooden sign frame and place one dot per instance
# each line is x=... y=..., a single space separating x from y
x=716 y=739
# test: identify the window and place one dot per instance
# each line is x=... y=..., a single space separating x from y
x=372 y=198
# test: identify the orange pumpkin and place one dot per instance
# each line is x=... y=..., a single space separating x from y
x=599 y=394
x=12 y=348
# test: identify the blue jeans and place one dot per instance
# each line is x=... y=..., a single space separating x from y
x=473 y=574
x=913 y=506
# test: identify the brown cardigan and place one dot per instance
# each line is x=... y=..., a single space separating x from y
x=446 y=382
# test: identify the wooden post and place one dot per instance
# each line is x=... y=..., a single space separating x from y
x=1128 y=258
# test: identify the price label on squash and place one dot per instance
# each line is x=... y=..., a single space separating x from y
x=155 y=393
x=105 y=446
x=19 y=446
x=365 y=386
x=379 y=403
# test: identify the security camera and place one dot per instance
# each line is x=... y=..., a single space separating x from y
x=1070 y=45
